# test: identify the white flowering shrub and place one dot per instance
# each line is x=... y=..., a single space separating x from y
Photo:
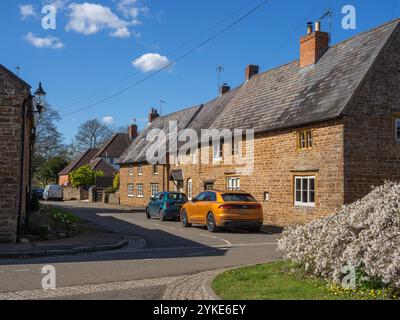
x=365 y=235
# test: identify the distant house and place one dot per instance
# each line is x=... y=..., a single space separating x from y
x=84 y=159
x=326 y=129
x=16 y=139
x=102 y=159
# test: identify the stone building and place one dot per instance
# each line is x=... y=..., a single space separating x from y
x=326 y=129
x=16 y=138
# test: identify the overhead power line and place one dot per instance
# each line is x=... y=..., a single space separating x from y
x=189 y=52
x=183 y=45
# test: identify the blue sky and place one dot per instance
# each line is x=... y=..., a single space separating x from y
x=96 y=43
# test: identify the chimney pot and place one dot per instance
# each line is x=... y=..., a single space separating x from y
x=309 y=28
x=318 y=26
x=224 y=88
x=251 y=70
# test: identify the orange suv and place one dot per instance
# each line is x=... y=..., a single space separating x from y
x=217 y=209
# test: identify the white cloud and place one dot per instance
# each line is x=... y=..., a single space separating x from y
x=108 y=120
x=26 y=11
x=150 y=62
x=89 y=18
x=46 y=42
x=132 y=9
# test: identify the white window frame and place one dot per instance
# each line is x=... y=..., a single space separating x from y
x=235 y=148
x=139 y=190
x=217 y=152
x=397 y=130
x=303 y=203
x=190 y=189
x=131 y=170
x=153 y=189
x=131 y=190
x=139 y=169
x=233 y=183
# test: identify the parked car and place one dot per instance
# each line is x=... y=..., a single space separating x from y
x=166 y=205
x=38 y=192
x=217 y=209
x=53 y=192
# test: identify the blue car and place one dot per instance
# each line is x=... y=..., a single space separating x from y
x=165 y=205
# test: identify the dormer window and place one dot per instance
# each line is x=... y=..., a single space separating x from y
x=217 y=152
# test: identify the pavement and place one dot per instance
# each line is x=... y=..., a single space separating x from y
x=169 y=262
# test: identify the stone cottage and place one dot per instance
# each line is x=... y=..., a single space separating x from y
x=326 y=129
x=16 y=138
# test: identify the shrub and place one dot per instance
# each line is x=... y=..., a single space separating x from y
x=111 y=190
x=365 y=235
x=35 y=205
x=116 y=182
x=84 y=176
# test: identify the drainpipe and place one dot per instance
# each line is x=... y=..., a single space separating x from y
x=21 y=175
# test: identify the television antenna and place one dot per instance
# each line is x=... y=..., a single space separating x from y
x=219 y=69
x=18 y=70
x=328 y=14
x=161 y=105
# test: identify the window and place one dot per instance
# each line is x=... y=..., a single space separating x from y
x=398 y=130
x=190 y=189
x=304 y=189
x=233 y=183
x=131 y=170
x=233 y=197
x=139 y=169
x=217 y=151
x=305 y=140
x=155 y=169
x=139 y=189
x=210 y=196
x=130 y=190
x=154 y=189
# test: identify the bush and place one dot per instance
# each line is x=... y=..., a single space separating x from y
x=116 y=182
x=84 y=176
x=365 y=235
x=111 y=190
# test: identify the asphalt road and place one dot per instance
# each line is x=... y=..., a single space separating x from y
x=170 y=251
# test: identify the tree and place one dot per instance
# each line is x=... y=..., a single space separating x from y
x=91 y=134
x=49 y=141
x=84 y=176
x=48 y=172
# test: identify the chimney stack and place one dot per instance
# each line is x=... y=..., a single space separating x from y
x=224 y=88
x=153 y=114
x=313 y=45
x=251 y=70
x=133 y=131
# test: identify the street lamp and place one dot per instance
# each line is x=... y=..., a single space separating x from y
x=40 y=95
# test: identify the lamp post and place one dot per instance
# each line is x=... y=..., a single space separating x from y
x=40 y=95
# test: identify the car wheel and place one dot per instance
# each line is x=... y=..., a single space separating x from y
x=148 y=216
x=184 y=219
x=211 y=223
x=162 y=215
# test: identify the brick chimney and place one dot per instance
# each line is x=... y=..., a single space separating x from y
x=133 y=131
x=224 y=88
x=251 y=70
x=153 y=114
x=313 y=45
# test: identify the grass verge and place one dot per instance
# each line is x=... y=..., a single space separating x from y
x=283 y=281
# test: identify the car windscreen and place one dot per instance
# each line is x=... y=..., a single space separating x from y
x=238 y=197
x=176 y=197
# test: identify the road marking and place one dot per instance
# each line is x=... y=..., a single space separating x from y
x=216 y=238
x=22 y=270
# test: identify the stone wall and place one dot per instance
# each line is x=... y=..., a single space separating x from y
x=372 y=154
x=111 y=198
x=13 y=95
x=71 y=193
